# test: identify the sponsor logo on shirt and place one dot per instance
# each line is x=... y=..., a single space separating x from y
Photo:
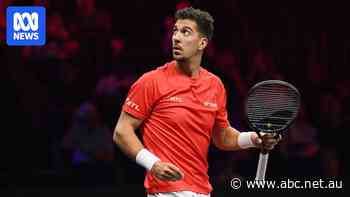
x=210 y=104
x=132 y=104
x=176 y=99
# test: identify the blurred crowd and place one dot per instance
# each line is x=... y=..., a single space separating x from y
x=69 y=92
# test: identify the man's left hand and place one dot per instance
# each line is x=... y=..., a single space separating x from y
x=267 y=141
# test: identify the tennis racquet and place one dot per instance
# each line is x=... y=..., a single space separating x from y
x=271 y=107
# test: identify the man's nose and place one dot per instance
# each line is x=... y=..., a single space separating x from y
x=176 y=37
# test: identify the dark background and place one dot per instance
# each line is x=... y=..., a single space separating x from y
x=95 y=50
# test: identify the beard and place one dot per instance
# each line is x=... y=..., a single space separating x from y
x=179 y=57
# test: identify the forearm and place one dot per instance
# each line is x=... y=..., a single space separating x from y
x=226 y=139
x=231 y=139
x=127 y=140
x=125 y=137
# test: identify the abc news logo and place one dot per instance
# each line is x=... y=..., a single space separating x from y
x=18 y=25
x=26 y=26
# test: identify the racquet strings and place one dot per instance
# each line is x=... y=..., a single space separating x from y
x=272 y=107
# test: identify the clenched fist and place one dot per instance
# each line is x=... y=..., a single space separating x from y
x=267 y=141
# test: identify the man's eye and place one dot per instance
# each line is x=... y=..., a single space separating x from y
x=186 y=33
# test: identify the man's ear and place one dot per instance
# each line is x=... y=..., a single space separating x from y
x=203 y=43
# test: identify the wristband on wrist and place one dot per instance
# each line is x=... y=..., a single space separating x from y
x=146 y=159
x=245 y=141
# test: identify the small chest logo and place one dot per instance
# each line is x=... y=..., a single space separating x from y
x=210 y=104
x=176 y=99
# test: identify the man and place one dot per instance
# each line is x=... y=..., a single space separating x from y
x=180 y=107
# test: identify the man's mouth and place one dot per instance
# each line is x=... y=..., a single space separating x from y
x=177 y=48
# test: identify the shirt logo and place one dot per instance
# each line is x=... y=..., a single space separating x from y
x=132 y=104
x=210 y=104
x=176 y=99
x=25 y=25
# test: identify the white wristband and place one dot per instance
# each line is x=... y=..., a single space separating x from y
x=245 y=141
x=146 y=159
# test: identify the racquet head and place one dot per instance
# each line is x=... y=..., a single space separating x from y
x=272 y=106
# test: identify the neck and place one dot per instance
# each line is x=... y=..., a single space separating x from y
x=189 y=67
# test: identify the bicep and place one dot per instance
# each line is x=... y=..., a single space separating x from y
x=126 y=120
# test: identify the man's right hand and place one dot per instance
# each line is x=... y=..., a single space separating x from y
x=166 y=171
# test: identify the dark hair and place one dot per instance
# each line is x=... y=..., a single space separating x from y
x=204 y=20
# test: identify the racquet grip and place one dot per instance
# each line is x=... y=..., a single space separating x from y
x=261 y=170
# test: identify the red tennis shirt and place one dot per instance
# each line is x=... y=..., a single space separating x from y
x=178 y=113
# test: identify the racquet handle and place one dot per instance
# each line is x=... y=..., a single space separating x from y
x=260 y=172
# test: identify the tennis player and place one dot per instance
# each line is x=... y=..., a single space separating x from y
x=180 y=107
